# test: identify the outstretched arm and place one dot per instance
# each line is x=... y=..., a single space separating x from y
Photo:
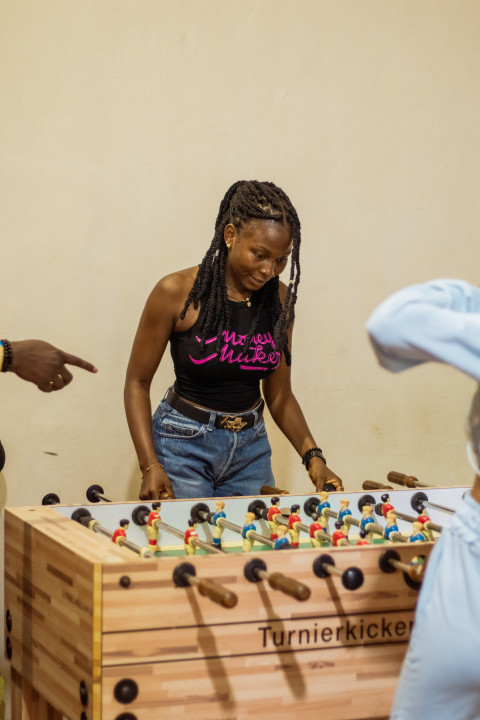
x=438 y=320
x=41 y=363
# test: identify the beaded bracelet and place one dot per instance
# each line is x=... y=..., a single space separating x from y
x=313 y=452
x=7 y=355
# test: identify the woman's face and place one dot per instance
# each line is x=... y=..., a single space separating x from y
x=258 y=251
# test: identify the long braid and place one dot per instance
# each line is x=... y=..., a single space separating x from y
x=245 y=201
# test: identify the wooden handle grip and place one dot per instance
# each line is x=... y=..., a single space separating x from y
x=372 y=485
x=289 y=586
x=401 y=479
x=217 y=593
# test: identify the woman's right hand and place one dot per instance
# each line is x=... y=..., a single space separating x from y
x=156 y=485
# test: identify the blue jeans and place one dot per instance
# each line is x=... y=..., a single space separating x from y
x=204 y=461
x=440 y=674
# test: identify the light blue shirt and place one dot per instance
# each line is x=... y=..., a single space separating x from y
x=437 y=320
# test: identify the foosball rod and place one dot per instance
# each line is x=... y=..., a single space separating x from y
x=84 y=517
x=260 y=511
x=391 y=561
x=324 y=566
x=310 y=507
x=95 y=494
x=201 y=513
x=420 y=501
x=409 y=518
x=184 y=575
x=140 y=517
x=409 y=481
x=256 y=570
x=372 y=485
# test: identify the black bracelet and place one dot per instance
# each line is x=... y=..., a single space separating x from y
x=313 y=452
x=7 y=355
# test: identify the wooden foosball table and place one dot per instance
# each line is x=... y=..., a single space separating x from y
x=101 y=630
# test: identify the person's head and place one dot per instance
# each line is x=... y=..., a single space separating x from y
x=156 y=505
x=275 y=500
x=367 y=510
x=385 y=498
x=249 y=517
x=391 y=518
x=256 y=231
x=323 y=495
x=344 y=503
x=294 y=509
x=219 y=505
x=124 y=524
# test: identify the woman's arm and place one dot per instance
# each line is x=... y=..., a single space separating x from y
x=155 y=328
x=288 y=415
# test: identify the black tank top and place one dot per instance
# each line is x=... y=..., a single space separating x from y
x=229 y=378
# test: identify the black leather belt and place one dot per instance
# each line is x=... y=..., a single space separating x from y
x=234 y=422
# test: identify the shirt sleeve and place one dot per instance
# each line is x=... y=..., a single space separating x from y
x=437 y=320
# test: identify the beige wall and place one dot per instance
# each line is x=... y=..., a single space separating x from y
x=123 y=122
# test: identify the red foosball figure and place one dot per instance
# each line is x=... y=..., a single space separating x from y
x=293 y=519
x=121 y=532
x=386 y=505
x=190 y=533
x=151 y=526
x=424 y=519
x=272 y=512
x=317 y=527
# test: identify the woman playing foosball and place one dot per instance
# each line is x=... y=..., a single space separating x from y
x=229 y=322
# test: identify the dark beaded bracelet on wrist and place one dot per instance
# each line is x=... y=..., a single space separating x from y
x=313 y=452
x=7 y=355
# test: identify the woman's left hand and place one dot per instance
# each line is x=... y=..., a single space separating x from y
x=320 y=474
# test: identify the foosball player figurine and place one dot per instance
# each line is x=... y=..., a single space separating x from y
x=293 y=519
x=364 y=537
x=367 y=518
x=424 y=519
x=417 y=534
x=317 y=527
x=121 y=532
x=344 y=511
x=386 y=505
x=338 y=536
x=272 y=512
x=323 y=501
x=392 y=526
x=190 y=533
x=282 y=542
x=151 y=526
x=218 y=529
x=249 y=525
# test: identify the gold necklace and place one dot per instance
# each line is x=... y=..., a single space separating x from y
x=248 y=300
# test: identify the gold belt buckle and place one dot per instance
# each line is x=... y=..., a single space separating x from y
x=233 y=423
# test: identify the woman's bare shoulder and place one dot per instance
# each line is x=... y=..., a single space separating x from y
x=175 y=286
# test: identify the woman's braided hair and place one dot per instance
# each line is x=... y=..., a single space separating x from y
x=245 y=201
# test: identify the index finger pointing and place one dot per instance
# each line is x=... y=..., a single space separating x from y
x=78 y=362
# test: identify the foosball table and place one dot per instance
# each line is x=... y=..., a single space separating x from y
x=128 y=611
